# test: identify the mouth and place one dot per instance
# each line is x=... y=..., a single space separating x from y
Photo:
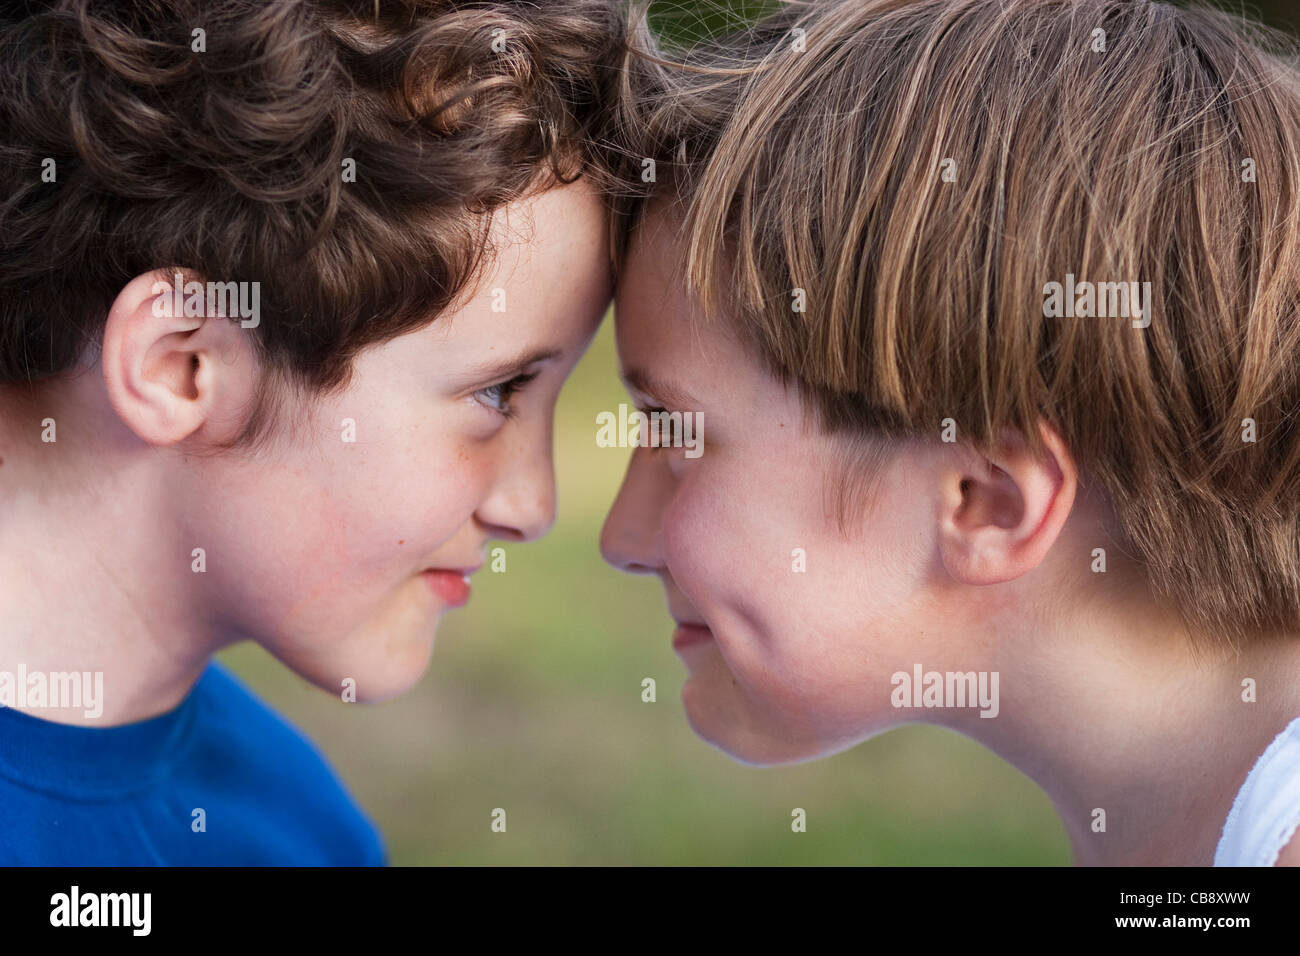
x=451 y=585
x=690 y=634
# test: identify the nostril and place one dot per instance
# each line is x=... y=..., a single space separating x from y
x=618 y=548
x=616 y=560
x=503 y=532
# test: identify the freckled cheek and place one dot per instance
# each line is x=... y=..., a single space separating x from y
x=402 y=513
x=444 y=496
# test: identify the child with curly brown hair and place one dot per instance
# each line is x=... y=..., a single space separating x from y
x=287 y=295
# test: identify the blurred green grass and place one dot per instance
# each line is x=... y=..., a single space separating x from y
x=533 y=704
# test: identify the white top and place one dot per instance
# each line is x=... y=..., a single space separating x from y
x=1267 y=809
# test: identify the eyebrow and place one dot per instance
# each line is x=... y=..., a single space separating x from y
x=508 y=368
x=642 y=381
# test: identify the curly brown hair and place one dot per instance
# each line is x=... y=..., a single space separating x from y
x=210 y=136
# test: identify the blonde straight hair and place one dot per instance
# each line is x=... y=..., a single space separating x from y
x=920 y=173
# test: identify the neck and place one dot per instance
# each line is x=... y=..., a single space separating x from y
x=94 y=583
x=1125 y=726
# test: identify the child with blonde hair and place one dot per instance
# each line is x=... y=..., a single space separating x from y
x=993 y=311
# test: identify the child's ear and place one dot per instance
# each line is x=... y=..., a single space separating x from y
x=1001 y=514
x=168 y=375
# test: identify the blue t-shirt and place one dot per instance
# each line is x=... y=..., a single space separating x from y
x=126 y=796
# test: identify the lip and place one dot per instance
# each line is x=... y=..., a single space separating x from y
x=451 y=585
x=689 y=635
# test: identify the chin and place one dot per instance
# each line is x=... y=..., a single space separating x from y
x=379 y=671
x=396 y=676
x=717 y=718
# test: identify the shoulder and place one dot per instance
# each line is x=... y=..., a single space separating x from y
x=245 y=746
x=242 y=729
x=230 y=712
x=1263 y=826
x=219 y=687
x=1290 y=855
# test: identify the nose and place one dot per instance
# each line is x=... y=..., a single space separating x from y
x=632 y=538
x=521 y=505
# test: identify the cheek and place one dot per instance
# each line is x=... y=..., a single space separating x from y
x=317 y=540
x=701 y=538
x=729 y=544
x=809 y=620
x=392 y=507
x=743 y=545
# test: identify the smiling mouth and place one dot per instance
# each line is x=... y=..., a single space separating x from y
x=689 y=635
x=450 y=585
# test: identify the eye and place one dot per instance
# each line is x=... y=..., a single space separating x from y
x=670 y=440
x=497 y=397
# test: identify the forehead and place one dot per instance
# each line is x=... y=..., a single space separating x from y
x=548 y=270
x=650 y=267
x=654 y=310
x=562 y=225
x=664 y=337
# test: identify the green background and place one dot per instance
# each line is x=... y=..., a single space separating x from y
x=533 y=704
